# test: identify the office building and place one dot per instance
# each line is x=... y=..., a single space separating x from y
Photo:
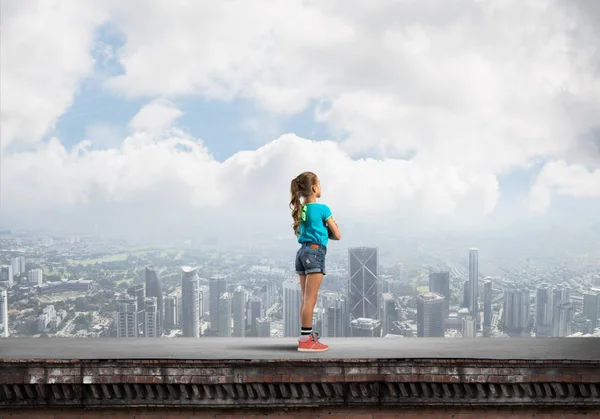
x=154 y=289
x=515 y=312
x=363 y=293
x=591 y=307
x=225 y=305
x=35 y=276
x=430 y=315
x=127 y=318
x=336 y=318
x=138 y=291
x=255 y=311
x=190 y=302
x=565 y=317
x=151 y=318
x=4 y=312
x=292 y=299
x=6 y=276
x=390 y=314
x=474 y=284
x=365 y=328
x=171 y=319
x=487 y=304
x=468 y=327
x=18 y=265
x=217 y=286
x=263 y=327
x=238 y=312
x=439 y=283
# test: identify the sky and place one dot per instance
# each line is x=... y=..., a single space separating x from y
x=191 y=118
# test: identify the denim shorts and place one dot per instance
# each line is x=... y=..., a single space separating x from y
x=310 y=259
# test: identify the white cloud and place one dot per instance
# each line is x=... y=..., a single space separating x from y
x=156 y=116
x=442 y=94
x=560 y=178
x=45 y=56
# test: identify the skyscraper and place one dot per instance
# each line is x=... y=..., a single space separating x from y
x=35 y=276
x=565 y=316
x=151 y=316
x=171 y=318
x=292 y=299
x=363 y=294
x=238 y=312
x=217 y=286
x=336 y=318
x=544 y=310
x=225 y=315
x=591 y=307
x=6 y=275
x=138 y=291
x=154 y=289
x=263 y=327
x=254 y=312
x=487 y=304
x=515 y=312
x=439 y=282
x=474 y=284
x=390 y=314
x=127 y=318
x=430 y=315
x=4 y=312
x=190 y=304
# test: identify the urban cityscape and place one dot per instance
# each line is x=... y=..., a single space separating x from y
x=89 y=287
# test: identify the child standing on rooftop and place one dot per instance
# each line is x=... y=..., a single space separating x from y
x=314 y=226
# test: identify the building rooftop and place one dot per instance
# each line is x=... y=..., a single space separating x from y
x=586 y=349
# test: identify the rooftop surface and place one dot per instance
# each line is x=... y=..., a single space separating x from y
x=577 y=349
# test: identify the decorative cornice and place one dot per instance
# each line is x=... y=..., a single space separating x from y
x=298 y=383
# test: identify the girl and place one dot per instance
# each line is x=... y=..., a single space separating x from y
x=314 y=226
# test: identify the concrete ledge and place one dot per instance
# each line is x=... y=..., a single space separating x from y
x=100 y=380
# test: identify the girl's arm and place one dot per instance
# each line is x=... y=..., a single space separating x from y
x=333 y=228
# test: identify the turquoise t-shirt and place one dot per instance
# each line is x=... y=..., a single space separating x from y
x=313 y=229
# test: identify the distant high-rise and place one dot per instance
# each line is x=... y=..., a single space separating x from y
x=138 y=291
x=6 y=275
x=254 y=312
x=591 y=307
x=171 y=318
x=544 y=310
x=474 y=284
x=190 y=304
x=154 y=289
x=263 y=327
x=363 y=294
x=487 y=304
x=468 y=327
x=238 y=312
x=336 y=318
x=465 y=295
x=18 y=265
x=365 y=328
x=217 y=286
x=515 y=312
x=439 y=282
x=430 y=315
x=292 y=298
x=225 y=315
x=4 y=312
x=151 y=317
x=127 y=318
x=390 y=314
x=35 y=276
x=565 y=317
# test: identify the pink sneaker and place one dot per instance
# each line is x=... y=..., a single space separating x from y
x=311 y=344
